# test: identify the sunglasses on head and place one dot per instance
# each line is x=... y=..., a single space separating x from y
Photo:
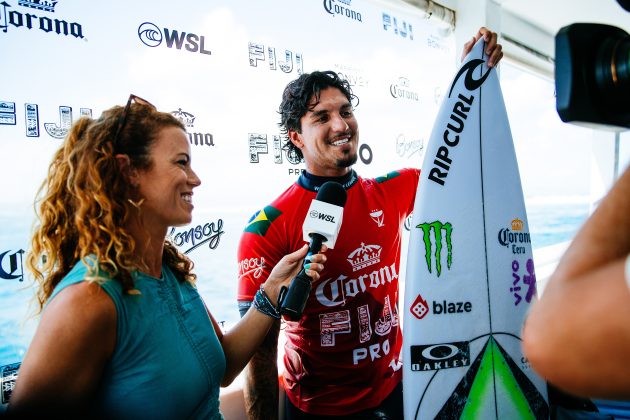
x=122 y=120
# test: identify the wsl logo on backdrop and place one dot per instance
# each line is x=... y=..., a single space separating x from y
x=342 y=8
x=11 y=18
x=195 y=138
x=152 y=36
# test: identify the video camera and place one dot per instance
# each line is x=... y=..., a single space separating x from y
x=593 y=75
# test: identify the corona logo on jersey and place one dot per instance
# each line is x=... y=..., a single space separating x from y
x=439 y=230
x=364 y=256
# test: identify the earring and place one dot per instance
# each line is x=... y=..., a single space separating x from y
x=136 y=204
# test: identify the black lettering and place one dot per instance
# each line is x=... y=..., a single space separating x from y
x=469 y=101
x=442 y=154
x=61 y=26
x=460 y=109
x=45 y=24
x=458 y=129
x=468 y=306
x=15 y=18
x=449 y=142
x=436 y=175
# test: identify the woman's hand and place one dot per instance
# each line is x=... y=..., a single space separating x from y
x=288 y=267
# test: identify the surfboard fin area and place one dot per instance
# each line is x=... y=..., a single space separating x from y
x=470 y=270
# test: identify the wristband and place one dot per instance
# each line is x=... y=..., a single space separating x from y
x=264 y=305
x=627 y=265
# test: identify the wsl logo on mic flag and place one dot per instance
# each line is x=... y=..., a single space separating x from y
x=462 y=346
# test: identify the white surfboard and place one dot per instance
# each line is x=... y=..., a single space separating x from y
x=470 y=272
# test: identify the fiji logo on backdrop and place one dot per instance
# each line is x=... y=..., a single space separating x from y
x=13 y=18
x=195 y=138
x=57 y=130
x=152 y=36
x=11 y=265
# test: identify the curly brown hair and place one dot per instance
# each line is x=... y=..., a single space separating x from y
x=84 y=203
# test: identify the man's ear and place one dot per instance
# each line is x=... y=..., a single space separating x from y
x=296 y=138
x=125 y=167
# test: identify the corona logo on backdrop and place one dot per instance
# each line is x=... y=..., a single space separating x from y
x=342 y=8
x=152 y=36
x=14 y=18
x=11 y=265
x=195 y=138
x=401 y=89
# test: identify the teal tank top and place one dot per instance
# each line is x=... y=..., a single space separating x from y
x=168 y=362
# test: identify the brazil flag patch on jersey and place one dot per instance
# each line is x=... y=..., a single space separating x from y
x=260 y=222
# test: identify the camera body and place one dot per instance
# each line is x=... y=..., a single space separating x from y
x=592 y=76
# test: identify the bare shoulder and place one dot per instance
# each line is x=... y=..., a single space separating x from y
x=78 y=331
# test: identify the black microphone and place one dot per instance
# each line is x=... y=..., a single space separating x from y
x=322 y=224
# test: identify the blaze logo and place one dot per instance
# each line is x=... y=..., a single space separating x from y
x=420 y=307
x=438 y=229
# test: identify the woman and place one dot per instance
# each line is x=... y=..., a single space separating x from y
x=123 y=332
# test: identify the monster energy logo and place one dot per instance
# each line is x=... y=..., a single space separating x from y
x=437 y=228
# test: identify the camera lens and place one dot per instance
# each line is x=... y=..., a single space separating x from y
x=612 y=69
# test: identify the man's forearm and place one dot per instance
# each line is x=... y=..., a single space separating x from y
x=261 y=381
x=605 y=236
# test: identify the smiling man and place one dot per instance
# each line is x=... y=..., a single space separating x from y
x=342 y=357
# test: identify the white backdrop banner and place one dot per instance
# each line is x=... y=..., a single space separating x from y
x=221 y=67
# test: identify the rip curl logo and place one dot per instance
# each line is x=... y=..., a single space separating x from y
x=469 y=81
x=439 y=229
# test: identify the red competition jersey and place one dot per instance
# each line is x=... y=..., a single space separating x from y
x=343 y=355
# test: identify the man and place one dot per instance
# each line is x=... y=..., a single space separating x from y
x=342 y=358
x=578 y=335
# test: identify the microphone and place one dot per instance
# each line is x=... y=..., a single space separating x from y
x=322 y=224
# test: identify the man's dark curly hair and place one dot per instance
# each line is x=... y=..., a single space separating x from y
x=296 y=97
